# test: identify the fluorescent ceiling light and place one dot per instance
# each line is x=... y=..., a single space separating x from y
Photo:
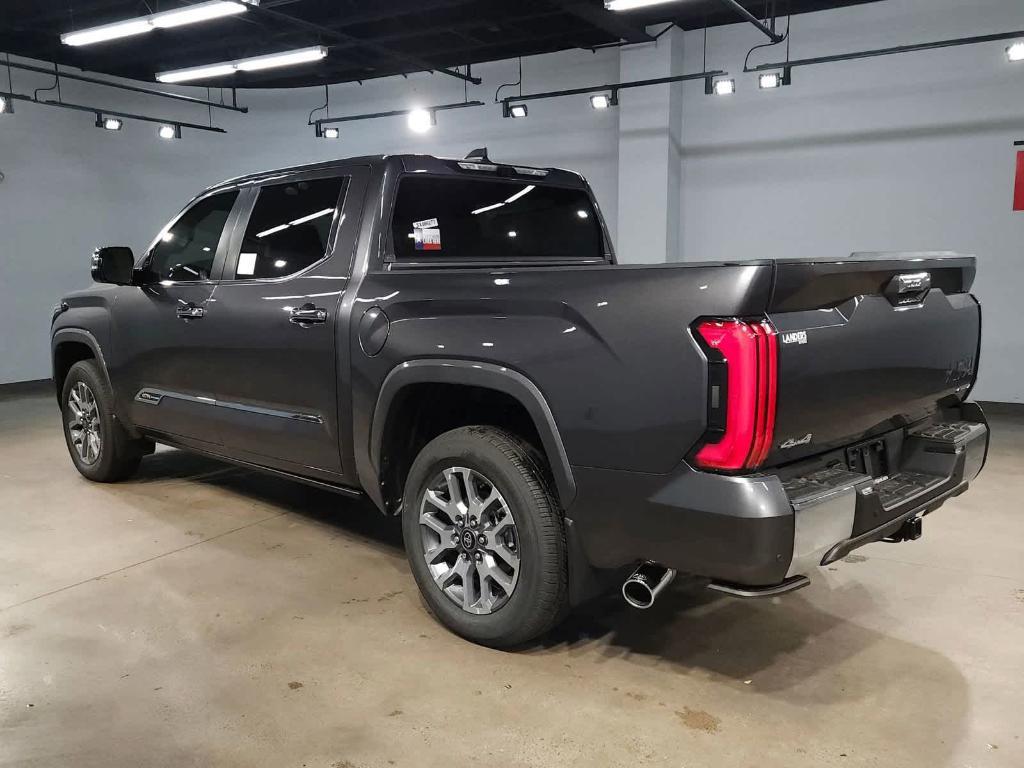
x=106 y=32
x=286 y=59
x=283 y=59
x=487 y=208
x=1015 y=52
x=311 y=216
x=628 y=5
x=520 y=193
x=191 y=14
x=272 y=230
x=175 y=18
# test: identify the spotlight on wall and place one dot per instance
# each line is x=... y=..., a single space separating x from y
x=169 y=132
x=513 y=110
x=420 y=120
x=108 y=123
x=1016 y=51
x=603 y=100
x=719 y=87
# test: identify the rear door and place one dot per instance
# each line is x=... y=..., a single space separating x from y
x=162 y=361
x=273 y=321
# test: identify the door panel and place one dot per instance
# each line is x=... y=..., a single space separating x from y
x=277 y=373
x=161 y=364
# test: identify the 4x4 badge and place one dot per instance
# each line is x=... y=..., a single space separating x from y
x=793 y=442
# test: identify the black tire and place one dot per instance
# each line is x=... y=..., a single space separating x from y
x=118 y=455
x=539 y=598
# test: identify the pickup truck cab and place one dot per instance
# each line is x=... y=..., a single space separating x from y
x=454 y=340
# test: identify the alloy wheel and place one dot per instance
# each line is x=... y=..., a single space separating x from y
x=469 y=540
x=84 y=424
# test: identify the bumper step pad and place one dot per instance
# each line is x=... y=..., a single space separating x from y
x=903 y=486
x=948 y=437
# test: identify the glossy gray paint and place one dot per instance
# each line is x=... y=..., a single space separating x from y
x=601 y=356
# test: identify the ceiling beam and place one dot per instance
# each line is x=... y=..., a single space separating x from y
x=606 y=21
x=772 y=34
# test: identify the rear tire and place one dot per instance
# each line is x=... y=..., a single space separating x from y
x=521 y=574
x=100 y=447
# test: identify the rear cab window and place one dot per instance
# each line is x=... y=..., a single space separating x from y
x=453 y=220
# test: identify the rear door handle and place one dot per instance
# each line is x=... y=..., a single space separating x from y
x=307 y=313
x=190 y=311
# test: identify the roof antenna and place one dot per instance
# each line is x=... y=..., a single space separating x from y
x=478 y=154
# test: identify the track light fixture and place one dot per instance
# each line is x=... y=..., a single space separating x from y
x=108 y=123
x=768 y=80
x=6 y=105
x=1016 y=51
x=325 y=133
x=420 y=120
x=719 y=87
x=513 y=110
x=178 y=17
x=169 y=132
x=604 y=100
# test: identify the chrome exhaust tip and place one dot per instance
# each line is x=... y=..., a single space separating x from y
x=645 y=584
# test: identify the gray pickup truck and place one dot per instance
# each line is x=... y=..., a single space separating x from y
x=454 y=340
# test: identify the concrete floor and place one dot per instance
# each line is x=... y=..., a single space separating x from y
x=204 y=615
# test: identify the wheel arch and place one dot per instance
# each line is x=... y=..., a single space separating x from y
x=69 y=346
x=503 y=381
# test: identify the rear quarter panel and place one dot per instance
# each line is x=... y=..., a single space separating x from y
x=609 y=346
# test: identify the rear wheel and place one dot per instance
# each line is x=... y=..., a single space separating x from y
x=485 y=536
x=100 y=447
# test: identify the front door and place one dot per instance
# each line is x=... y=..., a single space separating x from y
x=274 y=321
x=161 y=360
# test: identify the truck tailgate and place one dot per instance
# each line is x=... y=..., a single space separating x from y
x=869 y=344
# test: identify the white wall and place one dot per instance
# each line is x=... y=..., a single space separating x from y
x=905 y=152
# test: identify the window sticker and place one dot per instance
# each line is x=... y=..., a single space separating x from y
x=425 y=224
x=246 y=264
x=427 y=239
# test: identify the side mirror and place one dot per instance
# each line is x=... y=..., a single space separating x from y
x=113 y=264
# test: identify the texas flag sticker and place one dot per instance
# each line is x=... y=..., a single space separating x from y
x=428 y=239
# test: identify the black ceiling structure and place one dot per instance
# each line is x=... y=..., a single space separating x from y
x=365 y=39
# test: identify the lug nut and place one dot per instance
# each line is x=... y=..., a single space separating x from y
x=458 y=519
x=472 y=522
x=483 y=540
x=479 y=557
x=465 y=555
x=455 y=538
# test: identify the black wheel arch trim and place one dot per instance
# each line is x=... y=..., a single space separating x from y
x=487 y=376
x=82 y=336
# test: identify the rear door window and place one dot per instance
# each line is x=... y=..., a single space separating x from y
x=446 y=219
x=289 y=228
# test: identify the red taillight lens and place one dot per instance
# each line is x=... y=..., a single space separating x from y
x=748 y=351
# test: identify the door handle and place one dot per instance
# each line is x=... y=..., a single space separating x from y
x=307 y=313
x=190 y=311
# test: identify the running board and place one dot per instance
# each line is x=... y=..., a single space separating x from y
x=791 y=584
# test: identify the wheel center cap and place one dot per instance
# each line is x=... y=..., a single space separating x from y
x=468 y=539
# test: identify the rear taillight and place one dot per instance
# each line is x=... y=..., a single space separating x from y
x=743 y=376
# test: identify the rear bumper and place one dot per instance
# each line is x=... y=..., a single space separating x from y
x=761 y=530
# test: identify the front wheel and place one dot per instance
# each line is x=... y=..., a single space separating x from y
x=485 y=536
x=100 y=447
